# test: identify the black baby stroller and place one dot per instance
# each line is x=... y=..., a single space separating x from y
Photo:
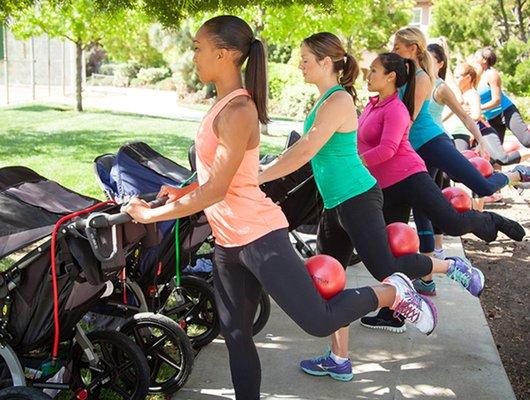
x=46 y=293
x=187 y=298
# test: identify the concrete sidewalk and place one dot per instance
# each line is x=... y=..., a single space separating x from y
x=458 y=361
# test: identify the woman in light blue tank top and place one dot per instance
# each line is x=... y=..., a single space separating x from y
x=443 y=95
x=498 y=109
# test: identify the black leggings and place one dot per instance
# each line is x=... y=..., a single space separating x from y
x=511 y=118
x=419 y=191
x=359 y=223
x=494 y=147
x=271 y=262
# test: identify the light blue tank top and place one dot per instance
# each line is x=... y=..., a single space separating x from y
x=436 y=108
x=484 y=92
x=424 y=128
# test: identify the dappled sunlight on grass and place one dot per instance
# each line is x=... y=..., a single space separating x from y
x=61 y=144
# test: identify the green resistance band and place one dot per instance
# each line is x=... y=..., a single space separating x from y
x=177 y=238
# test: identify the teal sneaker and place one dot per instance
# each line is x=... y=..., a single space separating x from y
x=425 y=288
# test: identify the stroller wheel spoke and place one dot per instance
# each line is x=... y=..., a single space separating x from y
x=153 y=345
x=108 y=358
x=155 y=368
x=162 y=355
x=138 y=337
x=120 y=391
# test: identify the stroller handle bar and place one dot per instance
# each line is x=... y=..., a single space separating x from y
x=103 y=220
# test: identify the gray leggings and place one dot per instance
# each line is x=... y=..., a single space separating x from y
x=495 y=149
x=270 y=261
x=511 y=118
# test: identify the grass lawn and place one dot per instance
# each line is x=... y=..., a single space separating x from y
x=61 y=144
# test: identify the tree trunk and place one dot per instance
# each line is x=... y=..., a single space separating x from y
x=349 y=44
x=520 y=19
x=506 y=26
x=79 y=75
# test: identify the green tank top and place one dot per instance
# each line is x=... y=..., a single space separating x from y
x=337 y=167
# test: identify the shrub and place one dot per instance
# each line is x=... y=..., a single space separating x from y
x=519 y=83
x=511 y=54
x=166 y=84
x=152 y=75
x=280 y=76
x=124 y=72
x=184 y=70
x=295 y=101
x=107 y=69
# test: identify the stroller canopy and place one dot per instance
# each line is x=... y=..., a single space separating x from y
x=30 y=205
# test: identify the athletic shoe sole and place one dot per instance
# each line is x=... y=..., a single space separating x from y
x=338 y=377
x=482 y=281
x=434 y=312
x=393 y=329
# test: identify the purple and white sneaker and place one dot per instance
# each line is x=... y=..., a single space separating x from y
x=325 y=365
x=524 y=172
x=471 y=278
x=417 y=309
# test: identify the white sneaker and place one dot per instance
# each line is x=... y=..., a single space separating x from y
x=417 y=309
x=439 y=254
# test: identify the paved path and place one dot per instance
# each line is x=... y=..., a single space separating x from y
x=159 y=103
x=458 y=361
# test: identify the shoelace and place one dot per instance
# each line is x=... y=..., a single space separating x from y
x=409 y=307
x=460 y=276
x=320 y=358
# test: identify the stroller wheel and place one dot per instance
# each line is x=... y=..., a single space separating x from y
x=193 y=307
x=262 y=314
x=121 y=373
x=166 y=347
x=22 y=393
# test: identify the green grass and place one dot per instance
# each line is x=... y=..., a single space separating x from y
x=61 y=144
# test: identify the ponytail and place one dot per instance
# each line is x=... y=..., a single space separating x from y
x=426 y=63
x=405 y=71
x=256 y=78
x=408 y=96
x=349 y=75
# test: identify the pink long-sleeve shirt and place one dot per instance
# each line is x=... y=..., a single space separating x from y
x=383 y=141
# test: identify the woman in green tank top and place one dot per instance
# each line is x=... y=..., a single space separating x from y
x=353 y=202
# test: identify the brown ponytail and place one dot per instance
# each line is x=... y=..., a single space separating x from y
x=232 y=33
x=349 y=75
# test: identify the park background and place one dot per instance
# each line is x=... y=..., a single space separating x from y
x=79 y=78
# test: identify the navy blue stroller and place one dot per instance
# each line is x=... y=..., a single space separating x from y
x=187 y=298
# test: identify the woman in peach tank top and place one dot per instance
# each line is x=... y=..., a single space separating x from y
x=252 y=243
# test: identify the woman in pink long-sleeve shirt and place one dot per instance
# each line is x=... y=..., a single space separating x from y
x=401 y=173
